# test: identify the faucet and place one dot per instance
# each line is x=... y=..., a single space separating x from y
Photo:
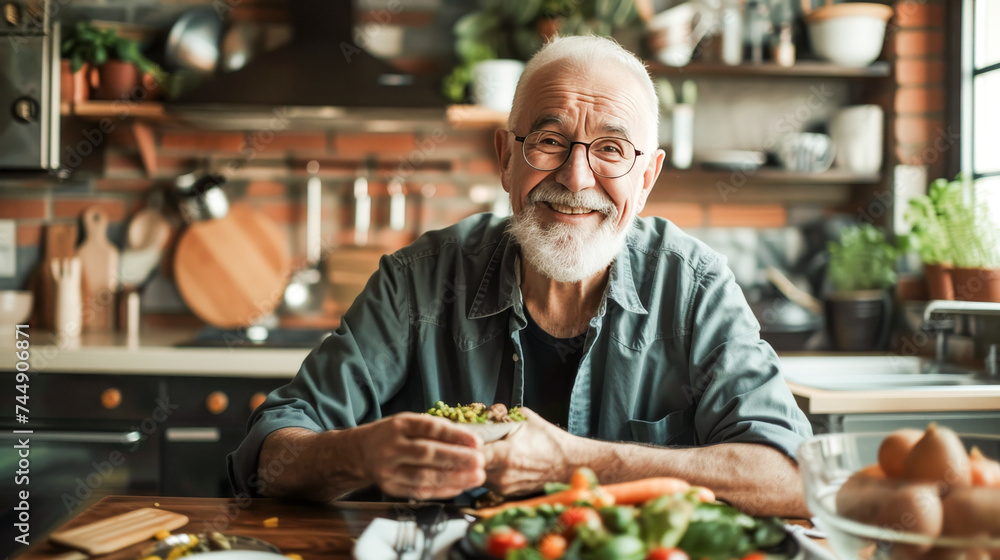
x=942 y=328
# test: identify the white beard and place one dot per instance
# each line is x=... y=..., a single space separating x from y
x=564 y=252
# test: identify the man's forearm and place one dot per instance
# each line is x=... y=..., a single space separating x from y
x=755 y=478
x=325 y=467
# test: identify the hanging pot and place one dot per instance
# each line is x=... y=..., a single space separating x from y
x=200 y=197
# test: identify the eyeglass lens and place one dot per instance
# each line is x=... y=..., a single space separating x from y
x=609 y=157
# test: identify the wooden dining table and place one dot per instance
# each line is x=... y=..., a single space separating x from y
x=310 y=530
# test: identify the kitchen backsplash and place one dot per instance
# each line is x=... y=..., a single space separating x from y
x=450 y=173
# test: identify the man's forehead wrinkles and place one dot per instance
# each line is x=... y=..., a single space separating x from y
x=612 y=127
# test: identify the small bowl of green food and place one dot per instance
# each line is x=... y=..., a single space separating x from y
x=490 y=423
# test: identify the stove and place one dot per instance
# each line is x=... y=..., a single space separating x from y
x=256 y=337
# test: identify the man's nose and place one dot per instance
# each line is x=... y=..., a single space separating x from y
x=576 y=173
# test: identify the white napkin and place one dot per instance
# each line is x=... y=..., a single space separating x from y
x=375 y=543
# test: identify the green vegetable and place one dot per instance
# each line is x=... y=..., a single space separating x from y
x=620 y=519
x=665 y=519
x=531 y=527
x=474 y=413
x=622 y=547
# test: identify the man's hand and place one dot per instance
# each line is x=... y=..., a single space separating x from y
x=423 y=457
x=535 y=453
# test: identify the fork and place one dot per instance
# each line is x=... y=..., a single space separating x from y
x=406 y=536
x=431 y=529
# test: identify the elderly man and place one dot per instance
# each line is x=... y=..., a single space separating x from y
x=628 y=342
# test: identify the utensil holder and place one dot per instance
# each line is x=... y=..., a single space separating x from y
x=682 y=127
x=69 y=301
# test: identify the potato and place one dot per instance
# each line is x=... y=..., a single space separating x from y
x=985 y=471
x=913 y=508
x=939 y=457
x=972 y=511
x=861 y=496
x=895 y=448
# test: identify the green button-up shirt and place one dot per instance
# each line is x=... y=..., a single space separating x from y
x=673 y=356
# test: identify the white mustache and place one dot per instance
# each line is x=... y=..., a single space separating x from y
x=553 y=192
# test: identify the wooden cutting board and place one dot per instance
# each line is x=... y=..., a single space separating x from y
x=115 y=533
x=60 y=243
x=233 y=270
x=99 y=261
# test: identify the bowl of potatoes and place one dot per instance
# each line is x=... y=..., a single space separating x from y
x=908 y=494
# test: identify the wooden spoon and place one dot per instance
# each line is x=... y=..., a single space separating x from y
x=148 y=228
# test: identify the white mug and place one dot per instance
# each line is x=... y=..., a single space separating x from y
x=857 y=133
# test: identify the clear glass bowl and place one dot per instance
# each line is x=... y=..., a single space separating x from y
x=827 y=460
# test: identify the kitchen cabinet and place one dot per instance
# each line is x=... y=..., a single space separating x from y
x=100 y=434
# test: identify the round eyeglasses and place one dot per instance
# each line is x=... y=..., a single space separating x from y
x=608 y=157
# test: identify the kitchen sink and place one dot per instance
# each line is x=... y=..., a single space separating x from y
x=860 y=373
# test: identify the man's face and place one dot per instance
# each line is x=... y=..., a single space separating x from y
x=570 y=214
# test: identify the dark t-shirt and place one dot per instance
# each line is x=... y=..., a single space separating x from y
x=550 y=366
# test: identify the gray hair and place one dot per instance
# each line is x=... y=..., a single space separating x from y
x=587 y=52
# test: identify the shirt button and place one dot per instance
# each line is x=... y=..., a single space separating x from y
x=515 y=357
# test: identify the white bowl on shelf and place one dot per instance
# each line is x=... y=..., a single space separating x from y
x=15 y=307
x=848 y=34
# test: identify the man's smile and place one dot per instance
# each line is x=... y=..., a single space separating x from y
x=572 y=210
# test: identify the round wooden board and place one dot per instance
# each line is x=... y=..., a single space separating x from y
x=233 y=270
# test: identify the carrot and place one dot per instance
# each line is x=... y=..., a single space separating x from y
x=638 y=491
x=565 y=497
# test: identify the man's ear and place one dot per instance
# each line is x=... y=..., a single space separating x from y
x=650 y=174
x=501 y=142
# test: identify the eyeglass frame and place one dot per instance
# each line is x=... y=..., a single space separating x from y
x=569 y=152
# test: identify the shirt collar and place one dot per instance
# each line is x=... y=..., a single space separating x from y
x=499 y=287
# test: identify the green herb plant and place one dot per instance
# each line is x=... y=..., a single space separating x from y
x=950 y=225
x=862 y=260
x=506 y=29
x=927 y=216
x=86 y=43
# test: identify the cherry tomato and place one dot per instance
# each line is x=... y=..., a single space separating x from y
x=755 y=556
x=552 y=547
x=576 y=515
x=504 y=540
x=667 y=553
x=582 y=479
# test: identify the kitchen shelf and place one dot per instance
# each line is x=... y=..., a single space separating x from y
x=803 y=69
x=475 y=116
x=771 y=175
x=93 y=109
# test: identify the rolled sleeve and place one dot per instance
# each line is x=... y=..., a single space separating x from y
x=343 y=382
x=745 y=398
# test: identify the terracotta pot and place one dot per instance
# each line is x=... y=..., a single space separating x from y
x=114 y=80
x=548 y=27
x=73 y=87
x=939 y=284
x=976 y=284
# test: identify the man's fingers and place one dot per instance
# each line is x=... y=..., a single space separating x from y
x=429 y=453
x=416 y=426
x=424 y=483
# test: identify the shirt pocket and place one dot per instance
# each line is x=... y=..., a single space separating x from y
x=676 y=428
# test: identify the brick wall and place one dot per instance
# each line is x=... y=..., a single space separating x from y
x=449 y=173
x=920 y=135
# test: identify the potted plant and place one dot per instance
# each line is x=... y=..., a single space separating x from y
x=927 y=216
x=974 y=236
x=113 y=65
x=515 y=29
x=862 y=270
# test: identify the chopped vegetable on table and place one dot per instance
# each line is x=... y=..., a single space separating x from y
x=651 y=519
